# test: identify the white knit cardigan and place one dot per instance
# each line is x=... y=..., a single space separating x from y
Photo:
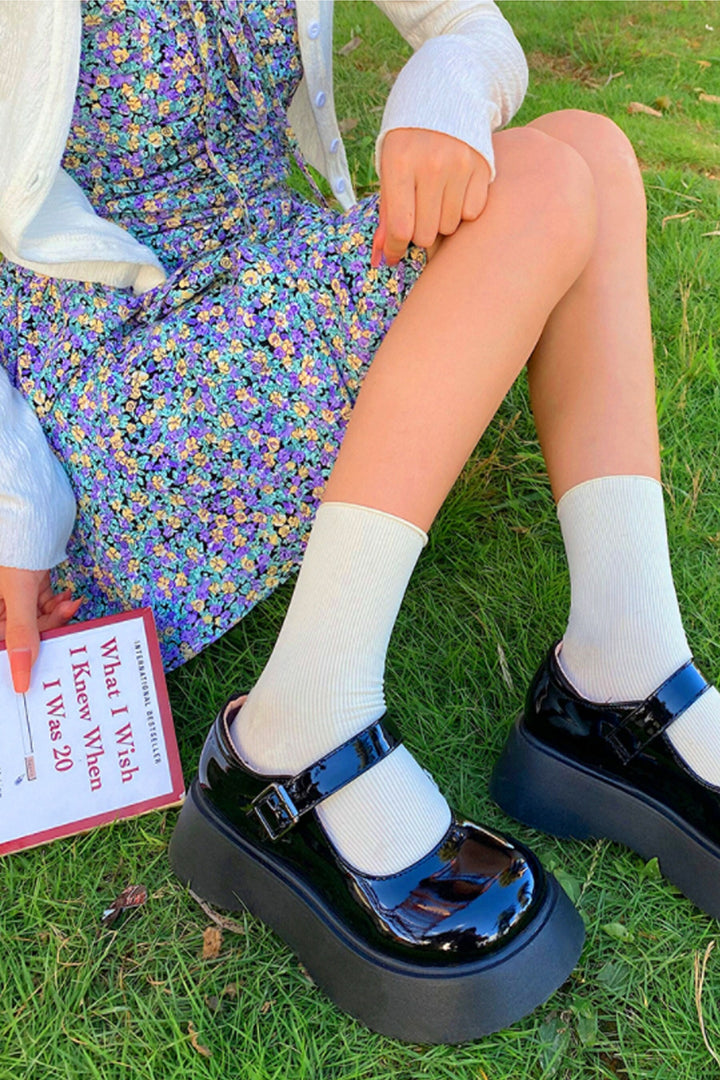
x=466 y=78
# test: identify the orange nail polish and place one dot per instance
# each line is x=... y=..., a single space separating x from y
x=20 y=665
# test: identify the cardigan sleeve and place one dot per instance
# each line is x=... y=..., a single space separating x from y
x=47 y=223
x=37 y=507
x=467 y=76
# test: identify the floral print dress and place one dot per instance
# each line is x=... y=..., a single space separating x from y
x=198 y=422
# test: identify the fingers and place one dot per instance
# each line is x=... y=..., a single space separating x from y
x=476 y=193
x=376 y=256
x=45 y=590
x=428 y=209
x=60 y=615
x=27 y=608
x=52 y=602
x=22 y=638
x=430 y=184
x=43 y=609
x=399 y=217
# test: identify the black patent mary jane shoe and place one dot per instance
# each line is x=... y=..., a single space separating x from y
x=464 y=942
x=574 y=768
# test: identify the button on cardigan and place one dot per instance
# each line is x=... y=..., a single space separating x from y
x=466 y=78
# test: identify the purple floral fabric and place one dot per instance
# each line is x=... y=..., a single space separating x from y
x=198 y=422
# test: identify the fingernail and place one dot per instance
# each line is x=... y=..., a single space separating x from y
x=20 y=665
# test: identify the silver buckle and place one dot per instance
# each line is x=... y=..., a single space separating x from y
x=275 y=800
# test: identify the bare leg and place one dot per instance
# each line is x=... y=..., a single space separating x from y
x=591 y=375
x=467 y=330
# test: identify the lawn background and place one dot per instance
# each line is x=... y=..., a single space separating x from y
x=490 y=593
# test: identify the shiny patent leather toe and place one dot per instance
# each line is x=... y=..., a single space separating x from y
x=467 y=897
x=464 y=942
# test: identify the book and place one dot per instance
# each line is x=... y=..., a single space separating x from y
x=92 y=741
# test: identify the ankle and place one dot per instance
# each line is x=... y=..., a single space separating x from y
x=277 y=730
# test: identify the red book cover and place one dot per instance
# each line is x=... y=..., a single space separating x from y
x=92 y=741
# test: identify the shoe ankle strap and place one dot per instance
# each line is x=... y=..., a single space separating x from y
x=283 y=802
x=652 y=716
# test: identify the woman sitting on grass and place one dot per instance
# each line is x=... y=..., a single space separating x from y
x=183 y=340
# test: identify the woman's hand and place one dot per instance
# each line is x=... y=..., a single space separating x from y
x=27 y=606
x=429 y=183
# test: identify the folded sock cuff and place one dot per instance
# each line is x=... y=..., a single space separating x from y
x=609 y=487
x=382 y=513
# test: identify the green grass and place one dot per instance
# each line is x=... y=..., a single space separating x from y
x=491 y=584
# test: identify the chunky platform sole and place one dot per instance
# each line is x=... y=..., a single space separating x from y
x=414 y=1002
x=540 y=787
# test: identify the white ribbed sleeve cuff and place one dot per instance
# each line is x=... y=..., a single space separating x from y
x=37 y=506
x=466 y=85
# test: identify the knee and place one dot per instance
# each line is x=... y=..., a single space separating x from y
x=604 y=146
x=554 y=186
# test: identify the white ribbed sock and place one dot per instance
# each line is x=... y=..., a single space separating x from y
x=625 y=635
x=323 y=684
